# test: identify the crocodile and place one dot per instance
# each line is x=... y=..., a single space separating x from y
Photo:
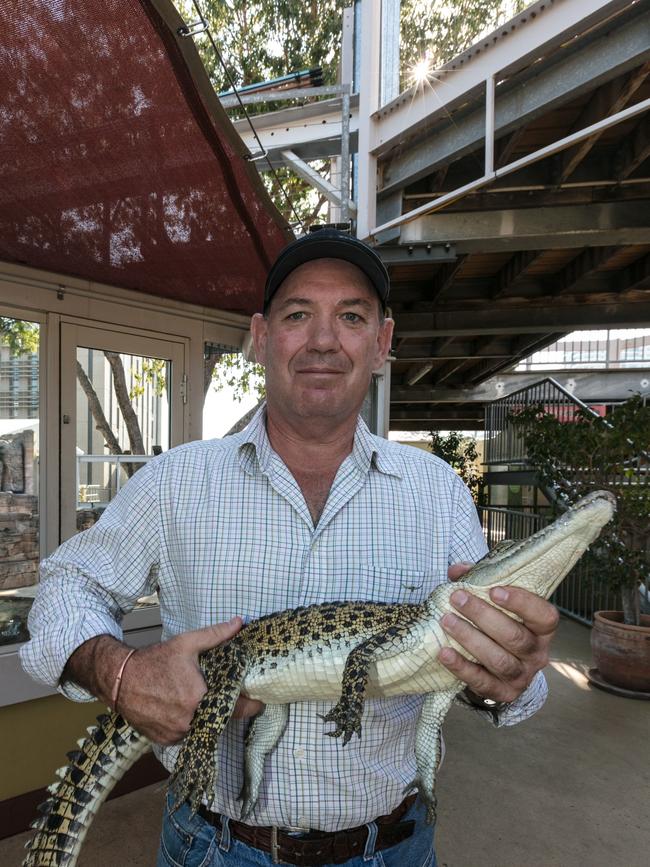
x=344 y=651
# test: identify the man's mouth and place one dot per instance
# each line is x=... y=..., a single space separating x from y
x=319 y=371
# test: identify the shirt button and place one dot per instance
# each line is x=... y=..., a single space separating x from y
x=299 y=753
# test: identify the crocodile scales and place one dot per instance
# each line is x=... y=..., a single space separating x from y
x=344 y=651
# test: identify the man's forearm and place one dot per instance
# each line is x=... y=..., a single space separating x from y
x=95 y=664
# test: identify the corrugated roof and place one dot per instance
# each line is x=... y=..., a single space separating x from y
x=119 y=164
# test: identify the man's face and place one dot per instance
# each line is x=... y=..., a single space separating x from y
x=321 y=340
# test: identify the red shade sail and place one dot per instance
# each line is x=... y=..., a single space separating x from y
x=118 y=163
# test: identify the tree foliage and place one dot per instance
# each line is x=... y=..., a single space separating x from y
x=582 y=452
x=21 y=337
x=243 y=377
x=266 y=39
x=441 y=30
x=263 y=39
x=461 y=454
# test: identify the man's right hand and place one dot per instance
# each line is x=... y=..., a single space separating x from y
x=161 y=685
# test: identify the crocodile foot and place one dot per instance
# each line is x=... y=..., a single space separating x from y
x=427 y=795
x=346 y=715
x=248 y=801
x=190 y=783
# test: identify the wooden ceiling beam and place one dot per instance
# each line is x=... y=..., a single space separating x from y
x=514 y=268
x=585 y=263
x=445 y=277
x=416 y=372
x=635 y=276
x=522 y=347
x=446 y=370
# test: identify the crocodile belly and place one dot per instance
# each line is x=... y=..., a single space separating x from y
x=309 y=674
x=412 y=671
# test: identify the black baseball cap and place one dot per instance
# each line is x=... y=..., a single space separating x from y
x=328 y=244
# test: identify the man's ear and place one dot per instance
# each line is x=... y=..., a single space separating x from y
x=384 y=340
x=259 y=328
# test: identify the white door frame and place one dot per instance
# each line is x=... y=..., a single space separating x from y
x=106 y=337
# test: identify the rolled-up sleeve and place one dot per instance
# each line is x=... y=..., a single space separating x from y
x=92 y=580
x=528 y=703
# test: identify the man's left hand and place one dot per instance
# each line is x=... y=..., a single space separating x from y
x=508 y=653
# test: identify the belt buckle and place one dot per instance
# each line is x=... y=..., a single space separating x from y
x=274 y=845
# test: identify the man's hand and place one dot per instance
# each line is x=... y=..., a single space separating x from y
x=509 y=653
x=161 y=685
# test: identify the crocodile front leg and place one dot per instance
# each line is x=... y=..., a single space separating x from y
x=195 y=773
x=263 y=734
x=427 y=745
x=346 y=713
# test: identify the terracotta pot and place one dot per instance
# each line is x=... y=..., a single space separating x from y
x=622 y=652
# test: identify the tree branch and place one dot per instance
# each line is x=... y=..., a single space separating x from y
x=122 y=395
x=97 y=412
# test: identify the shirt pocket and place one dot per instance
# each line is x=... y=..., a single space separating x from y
x=392 y=584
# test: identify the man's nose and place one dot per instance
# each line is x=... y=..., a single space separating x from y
x=324 y=336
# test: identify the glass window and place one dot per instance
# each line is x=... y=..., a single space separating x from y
x=232 y=387
x=19 y=455
x=123 y=420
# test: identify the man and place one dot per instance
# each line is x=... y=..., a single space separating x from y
x=303 y=506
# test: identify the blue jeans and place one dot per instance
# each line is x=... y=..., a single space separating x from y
x=189 y=841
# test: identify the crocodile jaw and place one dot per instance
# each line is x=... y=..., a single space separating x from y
x=539 y=563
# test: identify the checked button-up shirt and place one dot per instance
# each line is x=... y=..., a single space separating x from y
x=221 y=528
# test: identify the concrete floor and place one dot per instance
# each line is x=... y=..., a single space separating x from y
x=568 y=788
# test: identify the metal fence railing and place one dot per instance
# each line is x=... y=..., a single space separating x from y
x=582 y=592
x=503 y=443
x=596 y=350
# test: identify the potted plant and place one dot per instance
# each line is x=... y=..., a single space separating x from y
x=580 y=452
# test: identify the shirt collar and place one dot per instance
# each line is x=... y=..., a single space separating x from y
x=256 y=452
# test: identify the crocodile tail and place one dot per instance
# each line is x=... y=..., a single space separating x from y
x=103 y=757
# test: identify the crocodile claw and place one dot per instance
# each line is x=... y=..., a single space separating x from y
x=347 y=722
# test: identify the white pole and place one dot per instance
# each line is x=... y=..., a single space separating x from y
x=368 y=104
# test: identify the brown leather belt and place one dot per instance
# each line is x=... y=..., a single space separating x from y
x=314 y=848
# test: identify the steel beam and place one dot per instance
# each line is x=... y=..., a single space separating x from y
x=634 y=151
x=542 y=153
x=607 y=100
x=316 y=180
x=312 y=131
x=518 y=102
x=435 y=412
x=598 y=224
x=524 y=318
x=401 y=254
x=455 y=348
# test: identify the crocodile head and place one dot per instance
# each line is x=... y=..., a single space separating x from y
x=540 y=562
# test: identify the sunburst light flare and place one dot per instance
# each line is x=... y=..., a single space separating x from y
x=420 y=72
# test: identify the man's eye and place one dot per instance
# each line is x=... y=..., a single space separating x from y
x=296 y=316
x=351 y=317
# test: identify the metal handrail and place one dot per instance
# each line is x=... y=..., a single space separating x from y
x=502 y=443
